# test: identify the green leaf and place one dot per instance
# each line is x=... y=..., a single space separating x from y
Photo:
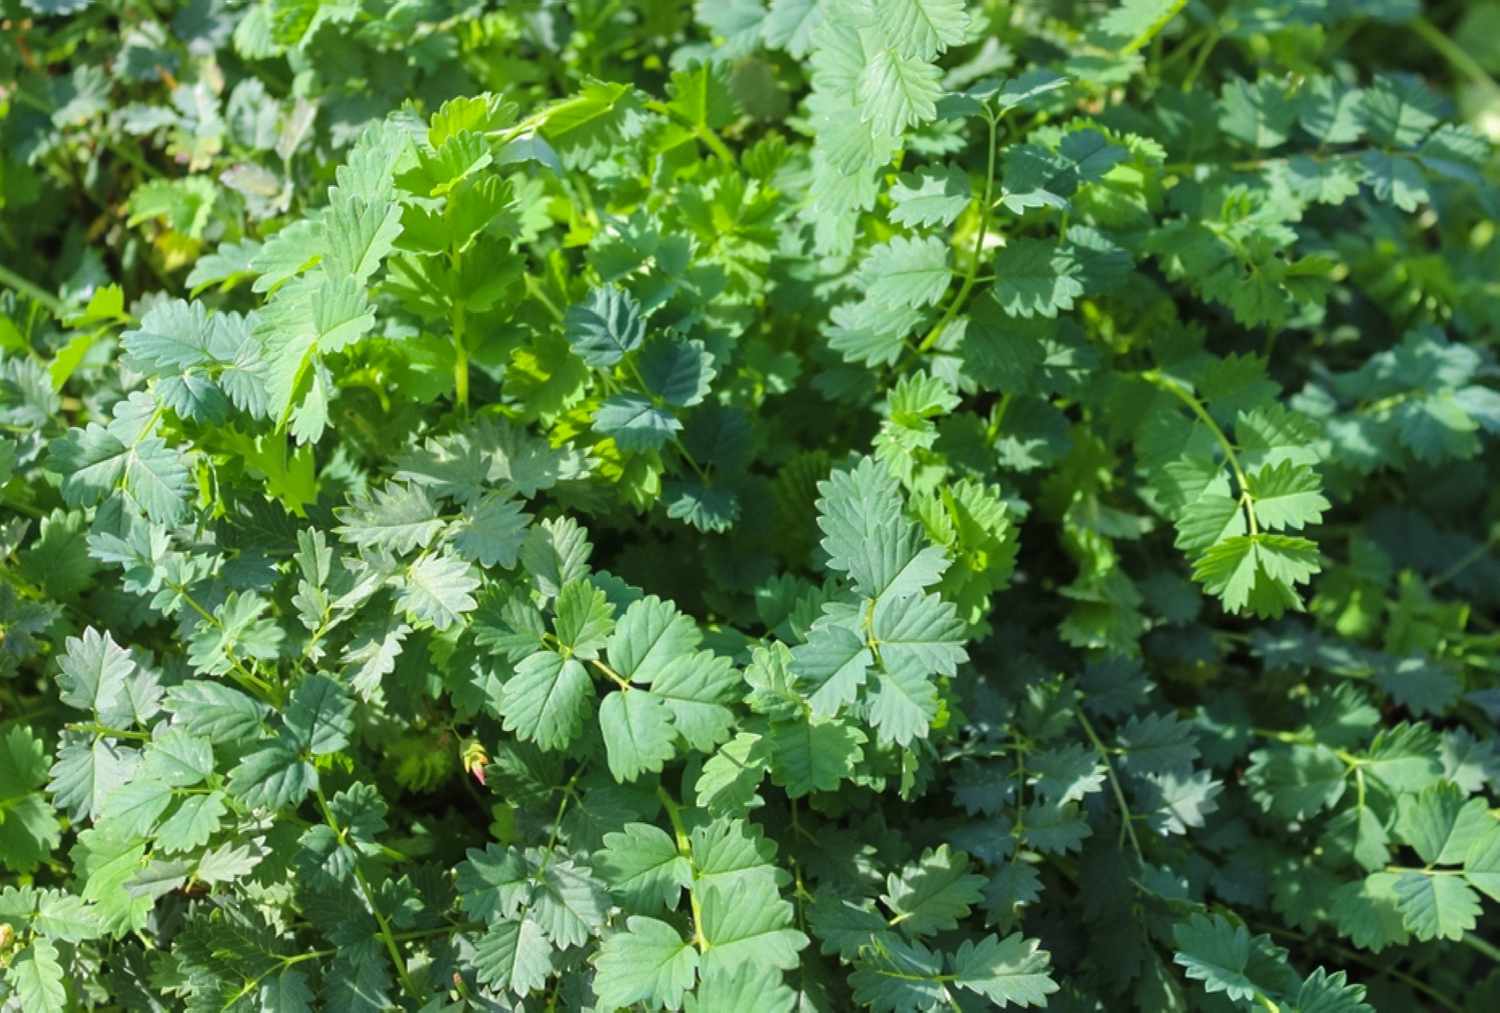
x=1441 y=825
x=744 y=990
x=93 y=676
x=1436 y=906
x=731 y=775
x=220 y=712
x=921 y=29
x=29 y=830
x=320 y=716
x=196 y=819
x=934 y=893
x=906 y=271
x=647 y=963
x=808 y=756
x=135 y=808
x=678 y=372
x=494 y=883
x=1260 y=115
x=1134 y=23
x=929 y=196
x=357 y=236
x=37 y=978
x=438 y=589
x=637 y=734
x=747 y=922
x=1217 y=954
x=178 y=759
x=569 y=904
x=830 y=668
x=701 y=95
x=1258 y=571
x=1322 y=992
x=401 y=518
x=792 y=25
x=306 y=320
x=901 y=975
x=605 y=327
x=650 y=635
x=634 y=423
x=867 y=537
x=1035 y=277
x=1295 y=782
x=642 y=865
x=96 y=463
x=1012 y=971
x=1066 y=774
x=272 y=778
x=897 y=91
x=584 y=620
x=904 y=705
x=582 y=126
x=513 y=956
x=1482 y=863
x=919 y=635
x=66 y=918
x=1398 y=111
x=1287 y=495
x=546 y=700
x=89 y=770
x=696 y=690
x=1367 y=912
x=491 y=532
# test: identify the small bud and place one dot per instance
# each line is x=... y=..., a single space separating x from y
x=475 y=759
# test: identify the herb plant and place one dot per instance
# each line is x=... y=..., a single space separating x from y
x=776 y=505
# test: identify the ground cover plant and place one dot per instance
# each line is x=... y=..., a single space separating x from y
x=771 y=505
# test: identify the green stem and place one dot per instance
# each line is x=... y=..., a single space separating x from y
x=1457 y=57
x=562 y=809
x=986 y=210
x=1154 y=29
x=702 y=131
x=1126 y=819
x=446 y=930
x=94 y=728
x=31 y=290
x=1201 y=60
x=240 y=673
x=122 y=150
x=1354 y=957
x=460 y=347
x=1467 y=560
x=369 y=894
x=690 y=459
x=1162 y=382
x=1488 y=949
x=685 y=849
x=616 y=677
x=535 y=288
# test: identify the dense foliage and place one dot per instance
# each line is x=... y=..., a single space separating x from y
x=788 y=504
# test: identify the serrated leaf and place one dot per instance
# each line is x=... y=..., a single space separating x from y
x=648 y=962
x=808 y=756
x=934 y=893
x=513 y=956
x=1435 y=906
x=637 y=734
x=605 y=326
x=642 y=865
x=545 y=701
x=1009 y=971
